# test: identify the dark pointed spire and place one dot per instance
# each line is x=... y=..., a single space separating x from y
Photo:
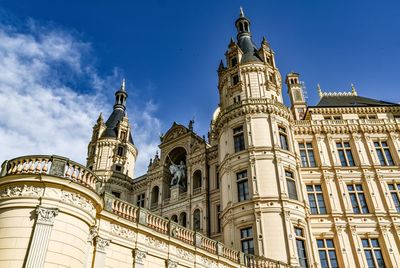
x=264 y=41
x=100 y=120
x=231 y=42
x=221 y=66
x=120 y=97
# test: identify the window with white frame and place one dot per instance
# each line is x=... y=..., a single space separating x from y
x=307 y=154
x=357 y=198
x=238 y=139
x=301 y=247
x=373 y=253
x=246 y=240
x=291 y=185
x=327 y=253
x=383 y=152
x=394 y=189
x=316 y=199
x=345 y=155
x=242 y=186
x=283 y=138
x=140 y=200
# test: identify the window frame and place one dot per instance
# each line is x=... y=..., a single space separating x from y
x=305 y=150
x=354 y=195
x=242 y=190
x=327 y=249
x=383 y=153
x=316 y=193
x=291 y=181
x=373 y=250
x=283 y=138
x=239 y=143
x=301 y=240
x=140 y=200
x=395 y=194
x=247 y=240
x=344 y=152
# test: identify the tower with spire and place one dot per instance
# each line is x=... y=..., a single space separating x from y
x=111 y=151
x=262 y=195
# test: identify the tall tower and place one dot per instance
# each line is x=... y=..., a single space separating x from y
x=111 y=151
x=296 y=94
x=261 y=198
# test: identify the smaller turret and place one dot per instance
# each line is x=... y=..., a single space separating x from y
x=296 y=94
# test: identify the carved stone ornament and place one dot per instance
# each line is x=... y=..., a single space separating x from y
x=46 y=215
x=184 y=254
x=122 y=232
x=101 y=244
x=13 y=191
x=208 y=262
x=77 y=200
x=154 y=243
x=172 y=264
x=93 y=232
x=57 y=168
x=139 y=256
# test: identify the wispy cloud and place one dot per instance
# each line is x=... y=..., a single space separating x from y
x=41 y=109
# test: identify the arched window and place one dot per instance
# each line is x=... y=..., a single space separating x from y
x=182 y=219
x=154 y=196
x=196 y=181
x=241 y=27
x=196 y=220
x=174 y=218
x=246 y=26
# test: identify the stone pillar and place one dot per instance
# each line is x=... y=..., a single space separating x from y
x=138 y=259
x=41 y=237
x=100 y=251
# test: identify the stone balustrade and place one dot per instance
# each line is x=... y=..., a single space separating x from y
x=51 y=165
x=66 y=169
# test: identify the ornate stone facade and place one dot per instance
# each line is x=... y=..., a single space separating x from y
x=272 y=186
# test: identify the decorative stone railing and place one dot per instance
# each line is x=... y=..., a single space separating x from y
x=188 y=236
x=51 y=165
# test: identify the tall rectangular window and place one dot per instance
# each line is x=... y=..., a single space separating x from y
x=327 y=253
x=357 y=198
x=238 y=139
x=394 y=189
x=235 y=79
x=217 y=177
x=283 y=138
x=291 y=185
x=120 y=151
x=140 y=200
x=316 y=199
x=307 y=154
x=242 y=185
x=246 y=239
x=301 y=247
x=383 y=152
x=345 y=155
x=373 y=253
x=218 y=208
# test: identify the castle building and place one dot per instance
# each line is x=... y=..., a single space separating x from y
x=272 y=186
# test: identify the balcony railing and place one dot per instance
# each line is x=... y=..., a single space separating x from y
x=51 y=165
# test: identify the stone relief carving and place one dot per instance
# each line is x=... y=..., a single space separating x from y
x=46 y=215
x=172 y=264
x=122 y=232
x=57 y=168
x=93 y=232
x=77 y=200
x=154 y=243
x=207 y=262
x=25 y=190
x=139 y=256
x=185 y=254
x=101 y=244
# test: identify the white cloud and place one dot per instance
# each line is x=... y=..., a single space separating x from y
x=40 y=112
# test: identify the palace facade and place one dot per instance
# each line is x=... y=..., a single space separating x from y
x=271 y=186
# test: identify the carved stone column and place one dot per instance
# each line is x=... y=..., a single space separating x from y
x=139 y=257
x=41 y=236
x=100 y=251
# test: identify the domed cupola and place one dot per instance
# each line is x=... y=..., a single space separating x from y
x=246 y=44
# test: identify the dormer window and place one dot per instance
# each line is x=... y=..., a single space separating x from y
x=234 y=61
x=123 y=135
x=118 y=168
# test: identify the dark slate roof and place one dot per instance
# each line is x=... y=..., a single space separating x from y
x=111 y=124
x=351 y=101
x=250 y=52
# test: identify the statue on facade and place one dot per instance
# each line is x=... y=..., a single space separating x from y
x=178 y=172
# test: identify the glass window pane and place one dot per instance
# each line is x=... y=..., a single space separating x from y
x=350 y=158
x=370 y=260
x=310 y=188
x=324 y=259
x=333 y=259
x=365 y=243
x=320 y=243
x=329 y=243
x=375 y=243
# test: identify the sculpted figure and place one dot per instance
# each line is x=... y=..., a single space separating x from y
x=178 y=173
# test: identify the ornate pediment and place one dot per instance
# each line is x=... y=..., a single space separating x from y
x=174 y=132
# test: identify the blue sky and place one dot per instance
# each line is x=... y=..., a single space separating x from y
x=169 y=52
